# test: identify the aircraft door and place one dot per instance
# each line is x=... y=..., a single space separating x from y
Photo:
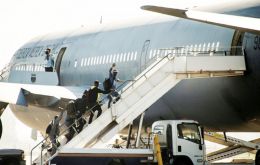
x=58 y=62
x=143 y=56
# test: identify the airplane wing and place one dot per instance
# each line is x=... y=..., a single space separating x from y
x=241 y=23
x=40 y=95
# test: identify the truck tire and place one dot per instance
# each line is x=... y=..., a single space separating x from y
x=257 y=158
x=182 y=162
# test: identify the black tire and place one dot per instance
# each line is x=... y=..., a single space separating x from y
x=182 y=162
x=257 y=158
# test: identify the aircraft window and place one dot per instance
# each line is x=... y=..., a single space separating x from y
x=213 y=46
x=199 y=48
x=131 y=56
x=107 y=59
x=208 y=47
x=94 y=61
x=104 y=59
x=195 y=48
x=75 y=63
x=151 y=54
x=154 y=52
x=204 y=47
x=124 y=57
x=117 y=57
x=182 y=51
x=100 y=59
x=110 y=58
x=217 y=46
x=191 y=48
x=114 y=58
x=128 y=56
x=135 y=57
x=158 y=53
x=97 y=60
x=88 y=61
x=82 y=62
x=85 y=61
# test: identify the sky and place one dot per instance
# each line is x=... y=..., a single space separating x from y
x=21 y=20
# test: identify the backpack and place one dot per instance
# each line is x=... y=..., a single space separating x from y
x=48 y=129
x=90 y=95
x=71 y=109
x=80 y=105
x=107 y=84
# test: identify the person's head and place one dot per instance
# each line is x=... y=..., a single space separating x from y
x=56 y=117
x=96 y=83
x=114 y=64
x=47 y=51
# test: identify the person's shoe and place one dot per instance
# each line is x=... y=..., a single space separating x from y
x=116 y=100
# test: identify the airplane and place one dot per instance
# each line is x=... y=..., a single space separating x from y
x=85 y=54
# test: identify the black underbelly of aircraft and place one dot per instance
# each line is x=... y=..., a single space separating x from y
x=226 y=104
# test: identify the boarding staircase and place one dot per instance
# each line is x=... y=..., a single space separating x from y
x=163 y=74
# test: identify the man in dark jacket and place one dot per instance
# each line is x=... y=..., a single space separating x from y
x=92 y=99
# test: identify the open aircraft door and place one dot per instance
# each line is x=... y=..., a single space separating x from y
x=58 y=62
x=143 y=56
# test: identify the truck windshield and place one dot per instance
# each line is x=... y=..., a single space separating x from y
x=190 y=132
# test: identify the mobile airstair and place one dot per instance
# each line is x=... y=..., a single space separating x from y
x=165 y=72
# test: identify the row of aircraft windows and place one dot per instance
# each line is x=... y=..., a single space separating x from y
x=130 y=56
x=99 y=60
x=32 y=68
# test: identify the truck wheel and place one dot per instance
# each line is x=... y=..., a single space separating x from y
x=182 y=162
x=257 y=158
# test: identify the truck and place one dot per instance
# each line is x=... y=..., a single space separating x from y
x=180 y=142
x=12 y=157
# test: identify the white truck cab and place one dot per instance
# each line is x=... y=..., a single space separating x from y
x=181 y=141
